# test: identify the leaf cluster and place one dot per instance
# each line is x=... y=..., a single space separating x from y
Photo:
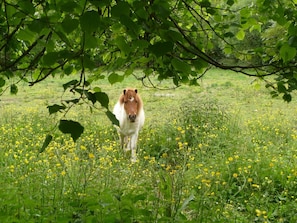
x=177 y=39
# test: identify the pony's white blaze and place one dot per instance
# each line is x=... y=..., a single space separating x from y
x=129 y=111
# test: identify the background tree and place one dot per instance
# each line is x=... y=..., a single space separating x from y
x=176 y=39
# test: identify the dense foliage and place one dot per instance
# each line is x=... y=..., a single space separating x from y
x=176 y=39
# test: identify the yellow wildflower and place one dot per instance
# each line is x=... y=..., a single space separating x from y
x=91 y=156
x=258 y=212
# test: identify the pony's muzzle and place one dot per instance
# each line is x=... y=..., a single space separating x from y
x=132 y=117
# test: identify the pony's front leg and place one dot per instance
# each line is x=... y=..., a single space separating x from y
x=125 y=145
x=133 y=146
x=122 y=141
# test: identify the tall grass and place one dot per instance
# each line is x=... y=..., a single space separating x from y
x=202 y=163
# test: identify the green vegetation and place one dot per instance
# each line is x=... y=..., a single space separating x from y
x=224 y=151
x=221 y=152
x=110 y=40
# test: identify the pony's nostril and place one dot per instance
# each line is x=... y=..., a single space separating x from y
x=132 y=118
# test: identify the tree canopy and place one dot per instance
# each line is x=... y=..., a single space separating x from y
x=174 y=39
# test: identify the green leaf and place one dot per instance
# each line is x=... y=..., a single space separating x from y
x=292 y=30
x=2 y=82
x=112 y=118
x=55 y=108
x=102 y=98
x=13 y=89
x=142 y=13
x=73 y=101
x=287 y=52
x=114 y=77
x=26 y=35
x=69 y=24
x=69 y=6
x=293 y=41
x=91 y=97
x=279 y=16
x=97 y=89
x=26 y=6
x=140 y=44
x=281 y=87
x=101 y=3
x=162 y=9
x=122 y=44
x=274 y=94
x=287 y=97
x=227 y=50
x=181 y=66
x=186 y=202
x=211 y=11
x=194 y=82
x=173 y=36
x=228 y=35
x=240 y=34
x=205 y=3
x=63 y=37
x=128 y=72
x=68 y=68
x=89 y=62
x=91 y=42
x=37 y=25
x=50 y=58
x=90 y=21
x=131 y=27
x=230 y=2
x=75 y=129
x=70 y=83
x=80 y=90
x=46 y=142
x=120 y=9
x=161 y=48
x=199 y=64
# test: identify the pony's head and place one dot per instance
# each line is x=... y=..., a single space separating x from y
x=132 y=103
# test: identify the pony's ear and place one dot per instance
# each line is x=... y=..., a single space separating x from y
x=135 y=91
x=124 y=91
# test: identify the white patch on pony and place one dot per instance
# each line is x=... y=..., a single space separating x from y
x=131 y=99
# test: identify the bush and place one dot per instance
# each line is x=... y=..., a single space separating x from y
x=207 y=124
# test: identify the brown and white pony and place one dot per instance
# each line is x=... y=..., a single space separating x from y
x=129 y=111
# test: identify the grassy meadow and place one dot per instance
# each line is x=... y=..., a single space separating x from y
x=224 y=151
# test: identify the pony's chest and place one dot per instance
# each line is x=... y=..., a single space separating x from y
x=129 y=128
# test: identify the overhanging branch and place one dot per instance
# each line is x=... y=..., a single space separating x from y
x=14 y=63
x=244 y=69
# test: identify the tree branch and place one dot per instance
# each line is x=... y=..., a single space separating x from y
x=237 y=68
x=195 y=13
x=6 y=67
x=51 y=70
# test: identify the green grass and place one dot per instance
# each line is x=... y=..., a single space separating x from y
x=221 y=152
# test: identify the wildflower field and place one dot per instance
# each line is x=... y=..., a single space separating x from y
x=224 y=151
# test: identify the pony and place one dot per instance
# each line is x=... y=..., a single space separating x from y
x=130 y=113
